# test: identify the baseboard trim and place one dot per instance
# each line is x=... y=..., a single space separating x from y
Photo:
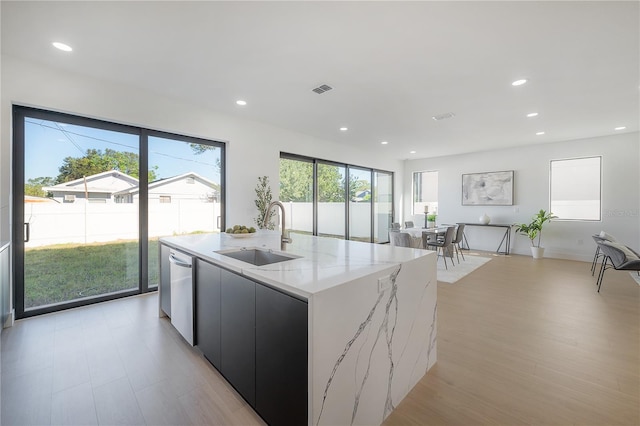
x=10 y=319
x=558 y=254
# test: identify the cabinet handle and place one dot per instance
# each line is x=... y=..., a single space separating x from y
x=178 y=262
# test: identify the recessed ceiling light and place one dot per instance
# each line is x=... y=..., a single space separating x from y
x=532 y=114
x=539 y=133
x=241 y=102
x=344 y=129
x=384 y=142
x=62 y=46
x=412 y=152
x=620 y=128
x=519 y=82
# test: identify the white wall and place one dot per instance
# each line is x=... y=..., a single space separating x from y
x=562 y=239
x=253 y=148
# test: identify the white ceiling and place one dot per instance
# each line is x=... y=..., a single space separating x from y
x=393 y=65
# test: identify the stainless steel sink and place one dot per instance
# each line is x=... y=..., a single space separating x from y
x=258 y=257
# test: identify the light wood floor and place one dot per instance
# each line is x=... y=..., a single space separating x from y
x=519 y=342
x=114 y=363
x=531 y=342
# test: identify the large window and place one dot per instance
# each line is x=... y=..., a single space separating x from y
x=336 y=200
x=332 y=200
x=359 y=204
x=575 y=189
x=184 y=192
x=382 y=205
x=425 y=192
x=90 y=200
x=296 y=193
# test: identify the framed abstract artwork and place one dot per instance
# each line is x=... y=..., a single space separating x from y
x=488 y=189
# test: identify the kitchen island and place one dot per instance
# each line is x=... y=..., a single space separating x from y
x=368 y=314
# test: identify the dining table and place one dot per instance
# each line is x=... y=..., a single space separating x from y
x=416 y=234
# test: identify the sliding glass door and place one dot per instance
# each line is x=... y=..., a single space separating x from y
x=86 y=193
x=360 y=204
x=336 y=200
x=183 y=191
x=296 y=194
x=331 y=200
x=79 y=243
x=382 y=205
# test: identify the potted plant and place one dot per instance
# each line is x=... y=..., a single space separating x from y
x=431 y=220
x=533 y=230
x=263 y=198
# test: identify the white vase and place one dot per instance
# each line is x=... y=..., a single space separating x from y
x=537 y=252
x=431 y=224
x=484 y=219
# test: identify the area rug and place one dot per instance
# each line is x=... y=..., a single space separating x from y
x=635 y=276
x=454 y=273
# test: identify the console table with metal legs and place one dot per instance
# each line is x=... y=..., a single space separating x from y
x=506 y=238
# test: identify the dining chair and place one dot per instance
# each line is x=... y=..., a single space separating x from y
x=457 y=240
x=430 y=236
x=441 y=244
x=602 y=236
x=392 y=241
x=408 y=224
x=598 y=253
x=399 y=239
x=618 y=257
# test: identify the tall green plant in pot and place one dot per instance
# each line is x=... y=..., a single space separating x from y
x=533 y=230
x=262 y=201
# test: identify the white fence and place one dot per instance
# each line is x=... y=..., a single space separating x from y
x=81 y=223
x=331 y=218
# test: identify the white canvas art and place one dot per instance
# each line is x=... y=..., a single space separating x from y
x=488 y=189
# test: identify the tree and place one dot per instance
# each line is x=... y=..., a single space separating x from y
x=330 y=184
x=200 y=148
x=95 y=161
x=356 y=186
x=34 y=186
x=296 y=180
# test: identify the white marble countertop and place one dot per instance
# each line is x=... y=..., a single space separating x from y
x=323 y=263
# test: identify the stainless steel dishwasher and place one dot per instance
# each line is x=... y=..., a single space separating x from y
x=182 y=294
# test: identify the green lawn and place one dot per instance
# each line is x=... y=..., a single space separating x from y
x=63 y=273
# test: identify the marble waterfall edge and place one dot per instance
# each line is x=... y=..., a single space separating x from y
x=370 y=346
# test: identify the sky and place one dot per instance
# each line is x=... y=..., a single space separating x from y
x=47 y=143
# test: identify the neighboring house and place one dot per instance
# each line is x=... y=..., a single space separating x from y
x=98 y=188
x=185 y=187
x=117 y=187
x=364 y=195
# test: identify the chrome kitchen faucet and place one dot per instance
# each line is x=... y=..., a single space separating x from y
x=285 y=239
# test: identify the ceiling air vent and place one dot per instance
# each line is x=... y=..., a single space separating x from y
x=321 y=89
x=443 y=116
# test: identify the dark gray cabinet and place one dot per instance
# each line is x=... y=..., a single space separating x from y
x=207 y=312
x=238 y=334
x=165 y=280
x=254 y=335
x=281 y=357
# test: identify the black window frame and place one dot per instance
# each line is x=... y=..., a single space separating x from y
x=19 y=114
x=315 y=161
